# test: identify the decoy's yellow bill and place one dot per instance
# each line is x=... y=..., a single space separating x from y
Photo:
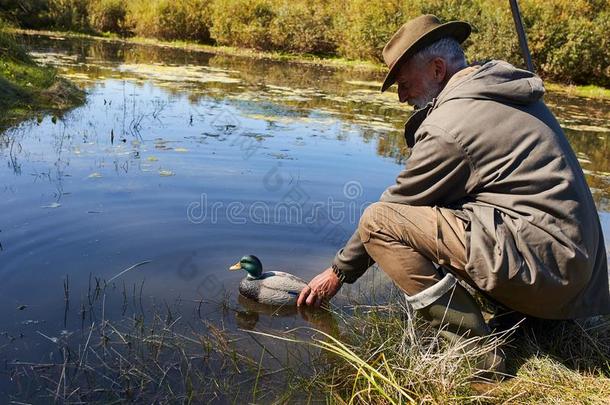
x=236 y=266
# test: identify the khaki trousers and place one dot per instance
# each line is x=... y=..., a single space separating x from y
x=406 y=240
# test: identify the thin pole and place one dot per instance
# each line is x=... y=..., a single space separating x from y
x=521 y=35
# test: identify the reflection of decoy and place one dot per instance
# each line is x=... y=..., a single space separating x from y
x=271 y=287
x=266 y=309
x=320 y=319
x=248 y=319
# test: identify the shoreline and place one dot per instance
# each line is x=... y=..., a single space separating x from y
x=587 y=91
x=28 y=89
x=308 y=59
x=56 y=99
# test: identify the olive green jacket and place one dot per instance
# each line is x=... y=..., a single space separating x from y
x=489 y=148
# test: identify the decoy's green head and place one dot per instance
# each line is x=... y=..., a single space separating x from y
x=251 y=264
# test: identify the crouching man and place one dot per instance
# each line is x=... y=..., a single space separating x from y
x=492 y=194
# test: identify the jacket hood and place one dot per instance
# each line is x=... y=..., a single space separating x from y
x=495 y=80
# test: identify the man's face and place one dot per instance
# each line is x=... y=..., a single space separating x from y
x=419 y=83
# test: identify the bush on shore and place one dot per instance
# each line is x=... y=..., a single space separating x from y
x=70 y=15
x=169 y=19
x=243 y=22
x=303 y=27
x=568 y=38
x=108 y=15
x=363 y=27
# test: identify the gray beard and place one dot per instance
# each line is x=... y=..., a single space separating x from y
x=430 y=94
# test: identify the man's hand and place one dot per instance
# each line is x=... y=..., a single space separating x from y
x=322 y=287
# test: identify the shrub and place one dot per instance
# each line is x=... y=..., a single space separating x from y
x=493 y=35
x=197 y=20
x=69 y=15
x=302 y=26
x=170 y=19
x=363 y=27
x=107 y=15
x=243 y=23
x=569 y=40
x=26 y=14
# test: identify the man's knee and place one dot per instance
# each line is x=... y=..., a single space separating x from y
x=372 y=219
x=414 y=225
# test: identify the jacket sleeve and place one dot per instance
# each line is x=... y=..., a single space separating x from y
x=438 y=172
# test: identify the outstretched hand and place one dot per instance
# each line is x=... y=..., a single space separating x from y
x=321 y=288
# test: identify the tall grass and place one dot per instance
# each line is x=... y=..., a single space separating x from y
x=407 y=364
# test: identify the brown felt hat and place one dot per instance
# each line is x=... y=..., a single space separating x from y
x=416 y=35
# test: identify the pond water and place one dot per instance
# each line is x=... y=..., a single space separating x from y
x=181 y=162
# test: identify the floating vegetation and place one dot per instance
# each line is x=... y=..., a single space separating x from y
x=584 y=127
x=281 y=156
x=180 y=73
x=28 y=322
x=377 y=85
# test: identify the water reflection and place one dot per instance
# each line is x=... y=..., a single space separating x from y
x=253 y=311
x=294 y=90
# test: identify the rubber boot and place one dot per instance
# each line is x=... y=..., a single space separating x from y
x=450 y=308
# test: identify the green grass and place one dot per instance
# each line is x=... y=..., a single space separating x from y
x=590 y=91
x=556 y=362
x=27 y=88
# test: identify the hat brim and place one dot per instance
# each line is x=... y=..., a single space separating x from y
x=459 y=30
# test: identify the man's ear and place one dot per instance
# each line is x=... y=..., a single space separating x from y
x=439 y=69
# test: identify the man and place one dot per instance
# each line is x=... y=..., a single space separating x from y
x=492 y=194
